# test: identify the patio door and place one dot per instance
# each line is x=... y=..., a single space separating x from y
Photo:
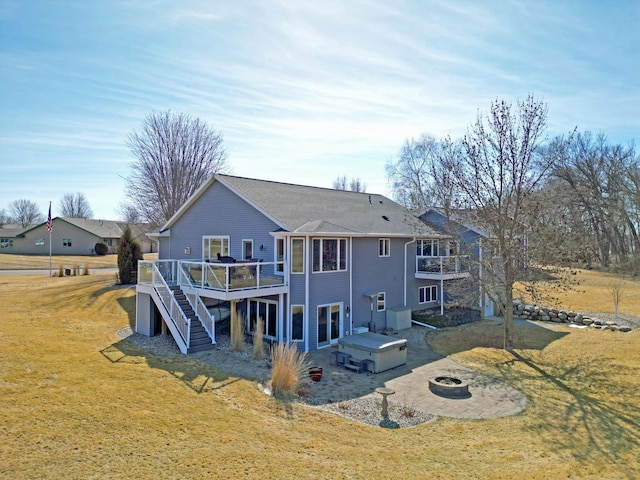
x=329 y=324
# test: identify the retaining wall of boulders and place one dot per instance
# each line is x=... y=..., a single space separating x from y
x=527 y=311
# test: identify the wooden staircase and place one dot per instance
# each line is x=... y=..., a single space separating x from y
x=199 y=338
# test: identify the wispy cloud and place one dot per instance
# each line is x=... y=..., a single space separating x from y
x=302 y=91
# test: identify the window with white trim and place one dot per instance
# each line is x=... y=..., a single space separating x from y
x=297 y=323
x=6 y=242
x=66 y=242
x=212 y=246
x=280 y=255
x=428 y=248
x=39 y=242
x=428 y=294
x=297 y=255
x=384 y=247
x=247 y=249
x=329 y=254
x=268 y=311
x=382 y=302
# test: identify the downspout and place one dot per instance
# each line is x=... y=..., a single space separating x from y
x=350 y=314
x=405 y=271
x=307 y=267
x=441 y=294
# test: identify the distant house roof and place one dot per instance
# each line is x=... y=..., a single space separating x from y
x=305 y=210
x=11 y=230
x=465 y=218
x=99 y=228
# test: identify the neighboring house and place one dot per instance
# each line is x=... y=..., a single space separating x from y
x=474 y=239
x=314 y=263
x=70 y=236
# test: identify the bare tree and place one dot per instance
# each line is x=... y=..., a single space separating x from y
x=75 y=205
x=354 y=185
x=410 y=175
x=493 y=181
x=618 y=293
x=174 y=154
x=602 y=181
x=4 y=218
x=25 y=212
x=128 y=213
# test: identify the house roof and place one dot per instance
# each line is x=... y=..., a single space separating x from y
x=11 y=230
x=304 y=209
x=99 y=228
x=461 y=217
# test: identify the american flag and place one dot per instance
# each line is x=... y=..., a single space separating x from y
x=49 y=221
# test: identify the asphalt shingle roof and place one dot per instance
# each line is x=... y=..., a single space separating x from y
x=305 y=209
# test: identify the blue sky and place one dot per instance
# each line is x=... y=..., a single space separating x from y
x=302 y=91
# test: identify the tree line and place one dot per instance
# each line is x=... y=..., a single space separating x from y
x=585 y=205
x=25 y=212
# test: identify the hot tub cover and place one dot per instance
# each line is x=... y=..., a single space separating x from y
x=372 y=342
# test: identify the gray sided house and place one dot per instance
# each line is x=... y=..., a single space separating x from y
x=70 y=236
x=316 y=264
x=470 y=240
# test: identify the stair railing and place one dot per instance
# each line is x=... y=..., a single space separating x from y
x=178 y=318
x=186 y=282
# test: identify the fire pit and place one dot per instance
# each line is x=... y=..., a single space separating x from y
x=446 y=386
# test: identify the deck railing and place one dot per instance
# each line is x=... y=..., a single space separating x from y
x=156 y=274
x=442 y=265
x=186 y=283
x=229 y=277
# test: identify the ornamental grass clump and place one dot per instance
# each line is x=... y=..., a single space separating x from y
x=287 y=368
x=237 y=331
x=258 y=340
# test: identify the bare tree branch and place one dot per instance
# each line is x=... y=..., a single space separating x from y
x=25 y=212
x=174 y=154
x=75 y=205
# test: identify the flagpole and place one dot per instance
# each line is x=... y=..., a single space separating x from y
x=50 y=228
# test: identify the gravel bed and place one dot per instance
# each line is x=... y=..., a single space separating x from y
x=367 y=410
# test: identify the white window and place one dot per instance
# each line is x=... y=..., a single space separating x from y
x=428 y=294
x=280 y=255
x=212 y=247
x=297 y=255
x=428 y=248
x=39 y=242
x=6 y=242
x=384 y=247
x=66 y=242
x=247 y=249
x=297 y=323
x=266 y=310
x=382 y=304
x=329 y=255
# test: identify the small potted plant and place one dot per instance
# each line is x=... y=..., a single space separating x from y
x=315 y=373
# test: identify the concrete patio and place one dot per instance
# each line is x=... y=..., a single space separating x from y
x=488 y=398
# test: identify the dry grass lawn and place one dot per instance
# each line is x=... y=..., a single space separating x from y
x=593 y=293
x=78 y=402
x=30 y=262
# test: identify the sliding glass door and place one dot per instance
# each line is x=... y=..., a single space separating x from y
x=329 y=324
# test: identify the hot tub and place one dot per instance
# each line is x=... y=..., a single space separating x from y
x=386 y=352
